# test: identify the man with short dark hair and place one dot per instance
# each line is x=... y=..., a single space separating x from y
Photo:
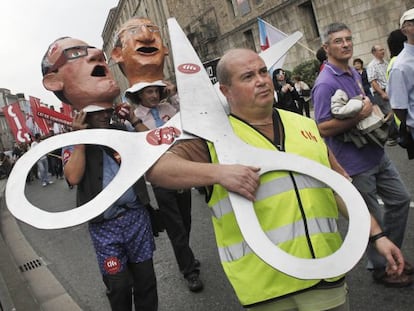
x=372 y=172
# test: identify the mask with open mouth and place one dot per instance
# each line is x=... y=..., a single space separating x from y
x=82 y=78
x=147 y=50
x=140 y=54
x=99 y=71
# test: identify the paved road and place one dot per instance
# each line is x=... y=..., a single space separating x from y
x=68 y=254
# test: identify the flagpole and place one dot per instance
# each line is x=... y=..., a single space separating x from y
x=309 y=49
x=302 y=45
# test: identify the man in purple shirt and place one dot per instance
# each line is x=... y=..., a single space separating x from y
x=373 y=174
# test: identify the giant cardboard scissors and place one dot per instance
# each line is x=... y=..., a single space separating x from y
x=202 y=115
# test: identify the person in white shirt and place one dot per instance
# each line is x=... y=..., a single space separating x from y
x=42 y=164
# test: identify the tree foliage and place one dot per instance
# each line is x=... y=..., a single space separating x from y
x=308 y=71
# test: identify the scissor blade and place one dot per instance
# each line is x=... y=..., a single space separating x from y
x=201 y=111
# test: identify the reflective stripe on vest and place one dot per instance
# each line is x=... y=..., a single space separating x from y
x=268 y=189
x=283 y=234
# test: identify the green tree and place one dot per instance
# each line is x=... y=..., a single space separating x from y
x=308 y=71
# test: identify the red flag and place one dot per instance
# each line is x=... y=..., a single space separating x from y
x=41 y=123
x=17 y=123
x=53 y=116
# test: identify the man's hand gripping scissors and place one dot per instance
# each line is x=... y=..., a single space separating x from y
x=201 y=115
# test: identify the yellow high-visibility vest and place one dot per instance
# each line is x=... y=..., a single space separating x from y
x=297 y=212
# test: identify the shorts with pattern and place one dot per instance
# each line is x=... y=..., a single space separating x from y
x=125 y=239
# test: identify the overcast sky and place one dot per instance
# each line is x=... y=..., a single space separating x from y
x=27 y=27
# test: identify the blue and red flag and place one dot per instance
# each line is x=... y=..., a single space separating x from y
x=270 y=35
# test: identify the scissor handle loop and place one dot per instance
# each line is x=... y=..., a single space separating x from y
x=137 y=157
x=356 y=239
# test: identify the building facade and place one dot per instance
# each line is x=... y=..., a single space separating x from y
x=217 y=25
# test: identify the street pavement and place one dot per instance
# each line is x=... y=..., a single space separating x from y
x=66 y=260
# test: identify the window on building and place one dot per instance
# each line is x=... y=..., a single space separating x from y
x=232 y=8
x=249 y=40
x=309 y=19
x=244 y=6
x=239 y=7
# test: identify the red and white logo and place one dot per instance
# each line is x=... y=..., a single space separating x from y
x=189 y=68
x=112 y=265
x=163 y=135
x=66 y=155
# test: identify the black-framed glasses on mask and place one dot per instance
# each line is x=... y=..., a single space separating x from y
x=73 y=52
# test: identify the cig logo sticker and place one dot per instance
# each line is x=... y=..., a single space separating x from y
x=112 y=265
x=164 y=135
x=189 y=68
